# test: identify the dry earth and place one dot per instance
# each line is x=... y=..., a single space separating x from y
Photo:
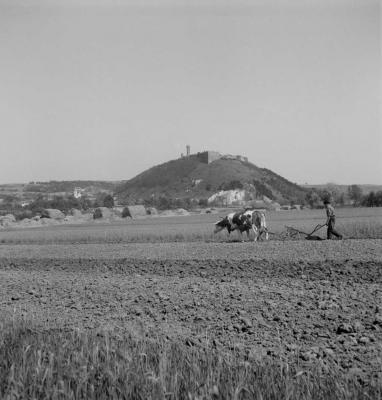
x=304 y=301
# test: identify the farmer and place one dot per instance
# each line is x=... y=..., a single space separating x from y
x=331 y=220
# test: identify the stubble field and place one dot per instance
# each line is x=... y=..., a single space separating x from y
x=200 y=318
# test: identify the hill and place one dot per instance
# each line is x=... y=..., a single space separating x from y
x=194 y=178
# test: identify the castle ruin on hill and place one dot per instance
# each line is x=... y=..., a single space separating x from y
x=209 y=156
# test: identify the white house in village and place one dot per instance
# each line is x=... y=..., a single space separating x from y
x=77 y=192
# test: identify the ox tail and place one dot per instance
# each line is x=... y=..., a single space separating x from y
x=264 y=225
x=263 y=220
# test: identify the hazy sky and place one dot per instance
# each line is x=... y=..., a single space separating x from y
x=106 y=89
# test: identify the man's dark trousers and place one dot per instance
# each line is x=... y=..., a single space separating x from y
x=331 y=230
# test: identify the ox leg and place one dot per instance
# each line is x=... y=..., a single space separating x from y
x=255 y=233
x=266 y=234
x=248 y=234
x=259 y=236
x=264 y=230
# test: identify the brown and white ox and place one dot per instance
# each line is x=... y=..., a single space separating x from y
x=244 y=222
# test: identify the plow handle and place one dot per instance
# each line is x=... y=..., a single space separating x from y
x=319 y=226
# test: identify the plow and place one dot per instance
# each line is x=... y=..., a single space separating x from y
x=293 y=233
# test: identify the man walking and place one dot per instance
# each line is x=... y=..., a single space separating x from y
x=331 y=220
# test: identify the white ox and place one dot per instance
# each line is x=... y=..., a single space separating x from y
x=244 y=222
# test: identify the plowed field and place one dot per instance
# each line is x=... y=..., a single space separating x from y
x=284 y=300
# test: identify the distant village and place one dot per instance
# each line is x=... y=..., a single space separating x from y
x=24 y=194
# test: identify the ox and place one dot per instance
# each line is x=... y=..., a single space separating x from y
x=259 y=224
x=244 y=222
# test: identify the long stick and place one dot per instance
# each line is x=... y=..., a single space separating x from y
x=316 y=229
x=304 y=233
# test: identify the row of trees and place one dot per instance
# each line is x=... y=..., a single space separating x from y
x=373 y=199
x=353 y=196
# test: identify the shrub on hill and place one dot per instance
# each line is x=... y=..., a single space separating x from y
x=262 y=189
x=108 y=201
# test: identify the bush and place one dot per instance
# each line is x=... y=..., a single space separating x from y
x=164 y=203
x=203 y=202
x=24 y=214
x=97 y=213
x=126 y=213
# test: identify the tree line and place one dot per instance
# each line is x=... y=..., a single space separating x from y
x=353 y=196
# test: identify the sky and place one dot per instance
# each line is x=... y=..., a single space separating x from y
x=103 y=90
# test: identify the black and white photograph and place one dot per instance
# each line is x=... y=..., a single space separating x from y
x=191 y=199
